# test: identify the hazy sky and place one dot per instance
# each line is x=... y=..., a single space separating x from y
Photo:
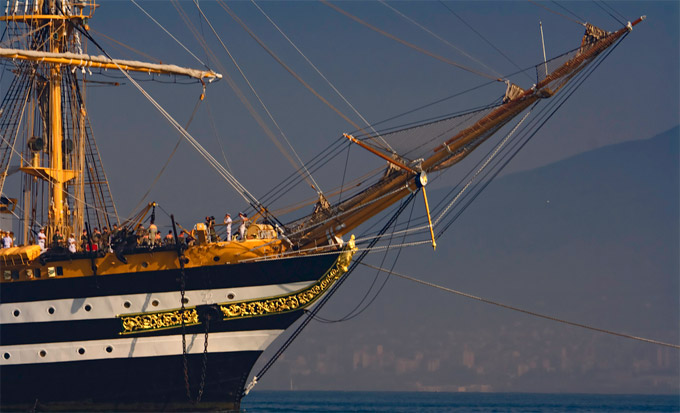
x=633 y=95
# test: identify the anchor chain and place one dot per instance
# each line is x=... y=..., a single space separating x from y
x=185 y=362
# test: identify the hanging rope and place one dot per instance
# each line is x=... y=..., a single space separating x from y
x=356 y=311
x=311 y=314
x=531 y=313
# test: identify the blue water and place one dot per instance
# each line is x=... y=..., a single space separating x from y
x=396 y=402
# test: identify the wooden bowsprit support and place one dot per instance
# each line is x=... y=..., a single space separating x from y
x=420 y=178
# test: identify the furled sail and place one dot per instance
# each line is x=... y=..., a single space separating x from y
x=103 y=62
x=440 y=144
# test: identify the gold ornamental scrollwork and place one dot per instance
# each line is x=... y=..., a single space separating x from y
x=148 y=322
x=296 y=300
x=157 y=321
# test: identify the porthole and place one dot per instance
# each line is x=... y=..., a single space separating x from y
x=88 y=307
x=154 y=303
x=16 y=313
x=42 y=353
x=216 y=259
x=81 y=351
x=6 y=356
x=145 y=264
x=109 y=349
x=51 y=310
x=127 y=304
x=231 y=296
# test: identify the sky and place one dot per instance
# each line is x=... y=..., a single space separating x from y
x=633 y=96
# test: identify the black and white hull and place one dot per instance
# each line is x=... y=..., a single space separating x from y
x=114 y=342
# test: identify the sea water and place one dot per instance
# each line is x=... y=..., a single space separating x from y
x=395 y=402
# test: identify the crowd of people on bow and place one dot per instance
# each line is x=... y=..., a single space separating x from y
x=141 y=237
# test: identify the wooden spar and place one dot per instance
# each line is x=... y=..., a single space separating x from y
x=373 y=151
x=393 y=187
x=102 y=62
x=406 y=168
x=517 y=105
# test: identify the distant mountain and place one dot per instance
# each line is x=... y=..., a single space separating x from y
x=593 y=239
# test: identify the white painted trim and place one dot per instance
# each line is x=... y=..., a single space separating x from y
x=71 y=309
x=232 y=341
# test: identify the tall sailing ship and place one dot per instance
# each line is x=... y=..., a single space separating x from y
x=121 y=322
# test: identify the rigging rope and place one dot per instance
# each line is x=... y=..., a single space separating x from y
x=551 y=109
x=295 y=164
x=387 y=145
x=226 y=175
x=167 y=162
x=436 y=36
x=610 y=15
x=531 y=313
x=568 y=11
x=483 y=166
x=324 y=299
x=287 y=68
x=167 y=32
x=556 y=12
x=487 y=41
x=407 y=44
x=355 y=312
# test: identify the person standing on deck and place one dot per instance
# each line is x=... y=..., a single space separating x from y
x=169 y=239
x=153 y=230
x=242 y=227
x=84 y=241
x=57 y=239
x=227 y=222
x=71 y=241
x=7 y=241
x=42 y=239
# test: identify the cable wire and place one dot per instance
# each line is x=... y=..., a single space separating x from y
x=520 y=310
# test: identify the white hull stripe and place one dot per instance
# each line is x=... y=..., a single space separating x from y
x=155 y=346
x=110 y=306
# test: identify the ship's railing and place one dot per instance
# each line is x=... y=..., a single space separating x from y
x=44 y=8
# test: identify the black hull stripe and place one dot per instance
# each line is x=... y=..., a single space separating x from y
x=279 y=271
x=64 y=331
x=140 y=384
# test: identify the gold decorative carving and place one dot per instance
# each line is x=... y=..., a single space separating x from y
x=146 y=322
x=157 y=321
x=294 y=301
